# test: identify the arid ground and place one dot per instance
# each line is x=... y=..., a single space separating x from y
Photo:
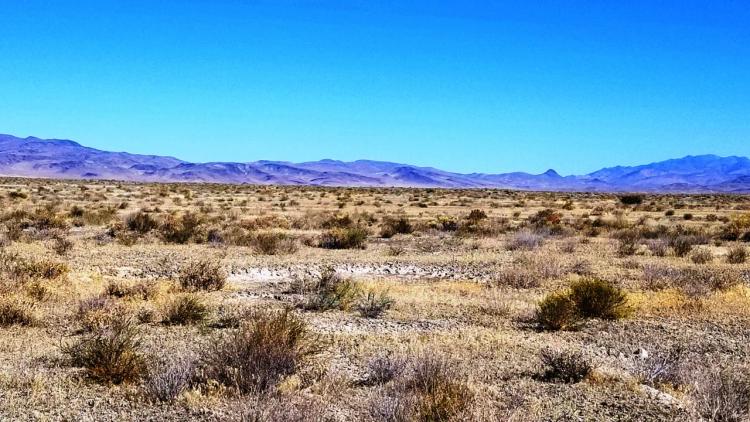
x=213 y=302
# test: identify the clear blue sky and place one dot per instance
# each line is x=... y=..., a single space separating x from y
x=466 y=85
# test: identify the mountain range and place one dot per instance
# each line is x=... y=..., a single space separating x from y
x=65 y=159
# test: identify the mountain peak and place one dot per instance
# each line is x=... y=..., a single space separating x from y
x=551 y=173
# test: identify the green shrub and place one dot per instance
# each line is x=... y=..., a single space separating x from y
x=595 y=298
x=327 y=291
x=373 y=304
x=557 y=311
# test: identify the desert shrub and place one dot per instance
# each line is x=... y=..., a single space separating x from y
x=384 y=368
x=202 y=275
x=595 y=298
x=183 y=229
x=270 y=346
x=169 y=377
x=721 y=395
x=682 y=245
x=111 y=354
x=273 y=244
x=61 y=245
x=631 y=199
x=440 y=390
x=19 y=269
x=286 y=408
x=186 y=309
x=393 y=226
x=518 y=277
x=701 y=256
x=16 y=311
x=476 y=215
x=373 y=304
x=661 y=368
x=658 y=247
x=701 y=281
x=557 y=311
x=525 y=240
x=343 y=238
x=141 y=222
x=627 y=241
x=329 y=290
x=565 y=365
x=737 y=254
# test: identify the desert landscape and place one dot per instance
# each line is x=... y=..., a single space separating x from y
x=145 y=301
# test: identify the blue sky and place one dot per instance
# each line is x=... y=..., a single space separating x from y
x=464 y=86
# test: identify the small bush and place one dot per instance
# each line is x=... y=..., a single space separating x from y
x=393 y=226
x=16 y=311
x=111 y=354
x=721 y=395
x=440 y=390
x=202 y=275
x=632 y=199
x=183 y=229
x=327 y=291
x=627 y=242
x=273 y=244
x=557 y=311
x=170 y=377
x=525 y=240
x=565 y=366
x=701 y=256
x=186 y=309
x=682 y=245
x=384 y=368
x=267 y=348
x=737 y=255
x=343 y=238
x=373 y=304
x=141 y=222
x=596 y=298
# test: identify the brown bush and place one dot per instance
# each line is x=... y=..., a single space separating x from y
x=202 y=275
x=141 y=222
x=564 y=365
x=16 y=311
x=439 y=387
x=169 y=377
x=267 y=348
x=273 y=244
x=111 y=354
x=737 y=254
x=185 y=309
x=343 y=238
x=395 y=225
x=329 y=290
x=182 y=230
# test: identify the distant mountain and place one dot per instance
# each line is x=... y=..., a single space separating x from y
x=56 y=158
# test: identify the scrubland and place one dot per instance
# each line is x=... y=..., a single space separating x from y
x=123 y=301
